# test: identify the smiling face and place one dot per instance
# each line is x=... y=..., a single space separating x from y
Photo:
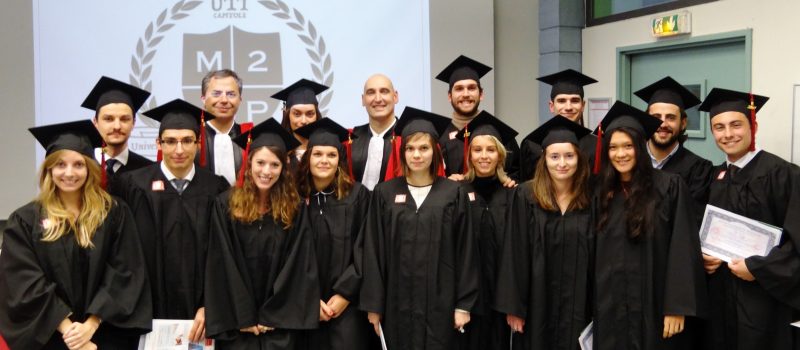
x=465 y=96
x=70 y=171
x=323 y=162
x=672 y=125
x=114 y=122
x=222 y=97
x=265 y=169
x=731 y=131
x=301 y=115
x=568 y=105
x=561 y=160
x=622 y=154
x=484 y=155
x=379 y=97
x=178 y=146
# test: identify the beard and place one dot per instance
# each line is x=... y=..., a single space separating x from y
x=668 y=142
x=466 y=113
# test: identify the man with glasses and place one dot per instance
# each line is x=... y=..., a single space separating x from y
x=221 y=93
x=171 y=201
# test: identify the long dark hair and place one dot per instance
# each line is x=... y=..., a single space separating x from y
x=640 y=194
x=342 y=183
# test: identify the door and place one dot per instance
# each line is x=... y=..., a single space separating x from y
x=700 y=64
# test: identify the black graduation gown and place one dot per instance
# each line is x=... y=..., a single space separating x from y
x=135 y=161
x=335 y=226
x=489 y=203
x=360 y=149
x=750 y=315
x=259 y=273
x=531 y=152
x=695 y=172
x=236 y=130
x=41 y=283
x=545 y=273
x=173 y=230
x=453 y=154
x=420 y=264
x=638 y=282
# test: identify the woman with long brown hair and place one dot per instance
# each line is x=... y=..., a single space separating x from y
x=648 y=269
x=72 y=273
x=545 y=271
x=420 y=267
x=300 y=108
x=337 y=208
x=261 y=276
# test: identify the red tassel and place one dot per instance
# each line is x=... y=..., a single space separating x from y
x=104 y=173
x=3 y=345
x=440 y=169
x=348 y=146
x=466 y=149
x=752 y=108
x=245 y=128
x=598 y=149
x=159 y=156
x=393 y=167
x=202 y=139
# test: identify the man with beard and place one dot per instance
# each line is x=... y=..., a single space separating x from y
x=373 y=140
x=668 y=100
x=465 y=95
x=221 y=93
x=566 y=100
x=115 y=104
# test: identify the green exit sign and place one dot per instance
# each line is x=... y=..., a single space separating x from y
x=679 y=23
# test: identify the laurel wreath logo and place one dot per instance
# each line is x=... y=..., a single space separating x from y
x=146 y=46
x=316 y=49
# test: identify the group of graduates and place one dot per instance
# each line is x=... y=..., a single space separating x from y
x=421 y=232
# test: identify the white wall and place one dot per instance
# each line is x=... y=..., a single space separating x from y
x=775 y=61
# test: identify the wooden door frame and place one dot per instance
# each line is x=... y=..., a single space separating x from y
x=624 y=54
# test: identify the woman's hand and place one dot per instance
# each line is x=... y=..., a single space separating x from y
x=509 y=183
x=337 y=305
x=456 y=177
x=739 y=269
x=198 y=331
x=375 y=319
x=711 y=264
x=80 y=333
x=325 y=312
x=672 y=325
x=517 y=324
x=460 y=319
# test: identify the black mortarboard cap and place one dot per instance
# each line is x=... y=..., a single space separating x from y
x=463 y=68
x=567 y=81
x=668 y=90
x=722 y=100
x=558 y=129
x=302 y=92
x=108 y=90
x=622 y=114
x=323 y=132
x=268 y=133
x=79 y=136
x=178 y=114
x=416 y=120
x=487 y=124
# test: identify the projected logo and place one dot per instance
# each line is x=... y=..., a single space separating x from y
x=256 y=57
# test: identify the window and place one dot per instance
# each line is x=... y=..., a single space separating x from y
x=606 y=11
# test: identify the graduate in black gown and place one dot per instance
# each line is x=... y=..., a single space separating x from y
x=465 y=94
x=753 y=300
x=115 y=104
x=489 y=203
x=566 y=100
x=336 y=208
x=261 y=277
x=544 y=280
x=300 y=108
x=648 y=274
x=71 y=272
x=421 y=274
x=668 y=100
x=171 y=202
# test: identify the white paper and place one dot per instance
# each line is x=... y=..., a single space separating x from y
x=727 y=236
x=172 y=335
x=383 y=340
x=586 y=338
x=796 y=324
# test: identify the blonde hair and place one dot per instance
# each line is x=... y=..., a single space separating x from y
x=95 y=203
x=501 y=161
x=283 y=197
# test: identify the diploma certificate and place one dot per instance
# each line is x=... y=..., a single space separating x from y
x=727 y=236
x=172 y=335
x=586 y=339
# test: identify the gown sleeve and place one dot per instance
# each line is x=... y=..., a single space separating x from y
x=373 y=293
x=124 y=298
x=513 y=278
x=349 y=282
x=229 y=303
x=294 y=303
x=30 y=310
x=467 y=266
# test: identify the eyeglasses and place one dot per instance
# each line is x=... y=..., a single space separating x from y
x=172 y=143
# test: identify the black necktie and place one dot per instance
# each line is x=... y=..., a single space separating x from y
x=110 y=163
x=732 y=170
x=179 y=184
